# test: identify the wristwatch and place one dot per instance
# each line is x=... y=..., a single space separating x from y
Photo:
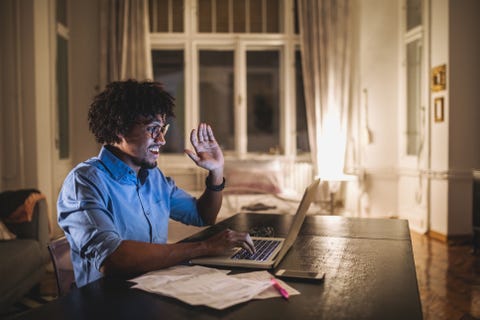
x=212 y=187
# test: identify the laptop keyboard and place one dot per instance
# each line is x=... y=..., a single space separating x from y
x=263 y=249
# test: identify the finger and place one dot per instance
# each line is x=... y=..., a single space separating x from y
x=204 y=132
x=250 y=244
x=243 y=240
x=193 y=137
x=211 y=137
x=192 y=155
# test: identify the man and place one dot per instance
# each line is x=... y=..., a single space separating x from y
x=114 y=208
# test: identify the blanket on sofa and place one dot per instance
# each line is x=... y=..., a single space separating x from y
x=18 y=206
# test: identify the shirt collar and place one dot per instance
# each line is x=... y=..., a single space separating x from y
x=118 y=169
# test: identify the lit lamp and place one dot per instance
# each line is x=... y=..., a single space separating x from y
x=331 y=157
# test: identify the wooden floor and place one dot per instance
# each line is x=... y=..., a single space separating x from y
x=448 y=279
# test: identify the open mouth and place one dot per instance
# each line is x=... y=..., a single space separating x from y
x=155 y=150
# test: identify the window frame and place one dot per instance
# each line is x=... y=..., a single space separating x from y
x=63 y=31
x=192 y=42
x=417 y=33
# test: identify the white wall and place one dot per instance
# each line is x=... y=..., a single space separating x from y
x=439 y=145
x=378 y=74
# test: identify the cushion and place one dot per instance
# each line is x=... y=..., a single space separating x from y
x=253 y=176
x=10 y=200
x=5 y=234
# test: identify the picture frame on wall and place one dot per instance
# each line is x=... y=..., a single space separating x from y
x=438 y=109
x=439 y=78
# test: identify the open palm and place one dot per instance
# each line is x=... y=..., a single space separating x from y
x=207 y=153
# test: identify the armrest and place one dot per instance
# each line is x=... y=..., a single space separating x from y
x=36 y=229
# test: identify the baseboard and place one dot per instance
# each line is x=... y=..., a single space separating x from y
x=453 y=240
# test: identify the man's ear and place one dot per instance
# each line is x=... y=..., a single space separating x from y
x=120 y=137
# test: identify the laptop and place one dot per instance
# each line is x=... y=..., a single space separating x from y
x=269 y=251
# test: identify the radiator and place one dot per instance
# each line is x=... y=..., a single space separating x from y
x=298 y=176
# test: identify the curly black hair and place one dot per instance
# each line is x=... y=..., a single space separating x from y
x=116 y=109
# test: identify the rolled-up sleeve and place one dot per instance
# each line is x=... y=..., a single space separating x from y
x=88 y=224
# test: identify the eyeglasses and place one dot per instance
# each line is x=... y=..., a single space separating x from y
x=155 y=131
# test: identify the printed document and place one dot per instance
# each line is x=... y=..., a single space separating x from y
x=198 y=285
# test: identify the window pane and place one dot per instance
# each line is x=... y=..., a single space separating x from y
x=162 y=12
x=273 y=15
x=62 y=12
x=216 y=95
x=158 y=11
x=414 y=13
x=302 y=133
x=62 y=98
x=204 y=15
x=255 y=16
x=414 y=67
x=177 y=10
x=168 y=68
x=239 y=16
x=222 y=16
x=263 y=101
x=296 y=27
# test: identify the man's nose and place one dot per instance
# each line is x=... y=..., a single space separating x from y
x=160 y=139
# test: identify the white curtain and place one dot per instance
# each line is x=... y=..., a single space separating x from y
x=125 y=46
x=325 y=33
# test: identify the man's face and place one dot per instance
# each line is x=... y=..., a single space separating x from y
x=140 y=147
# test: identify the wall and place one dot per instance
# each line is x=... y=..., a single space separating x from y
x=455 y=151
x=27 y=137
x=26 y=96
x=464 y=105
x=85 y=56
x=378 y=75
x=439 y=145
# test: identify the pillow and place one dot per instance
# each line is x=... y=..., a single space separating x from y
x=5 y=234
x=253 y=176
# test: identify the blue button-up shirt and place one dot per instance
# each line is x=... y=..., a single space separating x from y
x=102 y=202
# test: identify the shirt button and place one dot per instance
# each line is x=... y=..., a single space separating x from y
x=147 y=213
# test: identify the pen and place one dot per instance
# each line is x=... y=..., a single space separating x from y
x=279 y=288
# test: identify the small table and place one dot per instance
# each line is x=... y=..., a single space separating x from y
x=369 y=267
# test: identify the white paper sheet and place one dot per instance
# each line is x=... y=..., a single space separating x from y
x=197 y=285
x=270 y=292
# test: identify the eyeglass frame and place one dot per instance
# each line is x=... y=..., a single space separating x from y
x=156 y=130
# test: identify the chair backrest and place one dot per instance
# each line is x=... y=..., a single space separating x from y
x=62 y=263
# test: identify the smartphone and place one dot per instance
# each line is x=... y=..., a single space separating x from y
x=300 y=275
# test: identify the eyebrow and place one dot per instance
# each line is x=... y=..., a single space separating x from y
x=156 y=123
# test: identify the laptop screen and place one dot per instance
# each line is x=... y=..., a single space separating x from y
x=308 y=197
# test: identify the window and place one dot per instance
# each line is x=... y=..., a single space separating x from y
x=413 y=79
x=216 y=94
x=169 y=70
x=414 y=68
x=63 y=120
x=240 y=16
x=301 y=112
x=235 y=65
x=263 y=101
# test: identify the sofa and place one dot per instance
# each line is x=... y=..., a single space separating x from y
x=23 y=259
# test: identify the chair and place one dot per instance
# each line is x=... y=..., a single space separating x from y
x=62 y=264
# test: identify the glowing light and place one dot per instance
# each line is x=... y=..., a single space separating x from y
x=331 y=148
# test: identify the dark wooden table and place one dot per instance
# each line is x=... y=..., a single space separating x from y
x=369 y=274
